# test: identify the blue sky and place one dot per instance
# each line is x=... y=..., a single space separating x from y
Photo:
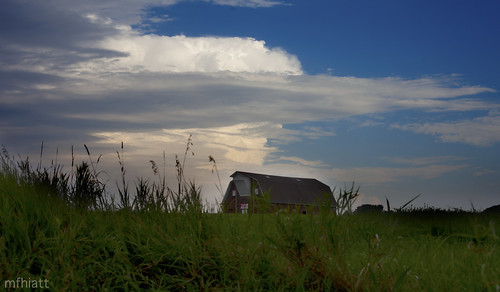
x=359 y=38
x=399 y=96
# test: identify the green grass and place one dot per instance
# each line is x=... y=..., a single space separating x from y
x=184 y=247
x=92 y=250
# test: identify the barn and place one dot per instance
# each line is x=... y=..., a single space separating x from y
x=258 y=193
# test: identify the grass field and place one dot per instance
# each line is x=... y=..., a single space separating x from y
x=46 y=235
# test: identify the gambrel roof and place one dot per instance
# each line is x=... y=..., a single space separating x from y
x=285 y=190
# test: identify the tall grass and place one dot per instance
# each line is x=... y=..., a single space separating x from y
x=345 y=199
x=84 y=188
x=164 y=239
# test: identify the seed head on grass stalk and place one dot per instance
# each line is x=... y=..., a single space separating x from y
x=123 y=192
x=188 y=148
x=179 y=166
x=41 y=154
x=154 y=167
x=94 y=165
x=159 y=193
x=214 y=167
x=180 y=174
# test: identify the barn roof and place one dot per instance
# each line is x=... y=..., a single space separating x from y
x=290 y=190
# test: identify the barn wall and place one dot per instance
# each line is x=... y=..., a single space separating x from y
x=234 y=204
x=290 y=208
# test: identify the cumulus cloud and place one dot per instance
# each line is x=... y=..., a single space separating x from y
x=481 y=131
x=242 y=143
x=50 y=36
x=245 y=143
x=195 y=54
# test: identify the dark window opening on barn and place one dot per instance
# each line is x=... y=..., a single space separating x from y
x=304 y=211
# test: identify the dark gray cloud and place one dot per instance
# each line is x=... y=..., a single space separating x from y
x=14 y=80
x=39 y=40
x=42 y=34
x=45 y=25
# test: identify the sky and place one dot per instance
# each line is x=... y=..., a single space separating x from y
x=401 y=97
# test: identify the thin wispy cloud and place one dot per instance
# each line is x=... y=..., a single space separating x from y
x=482 y=131
x=425 y=160
x=247 y=3
x=301 y=161
x=377 y=175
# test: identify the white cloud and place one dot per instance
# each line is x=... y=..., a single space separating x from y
x=301 y=161
x=179 y=54
x=481 y=131
x=160 y=19
x=240 y=143
x=247 y=3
